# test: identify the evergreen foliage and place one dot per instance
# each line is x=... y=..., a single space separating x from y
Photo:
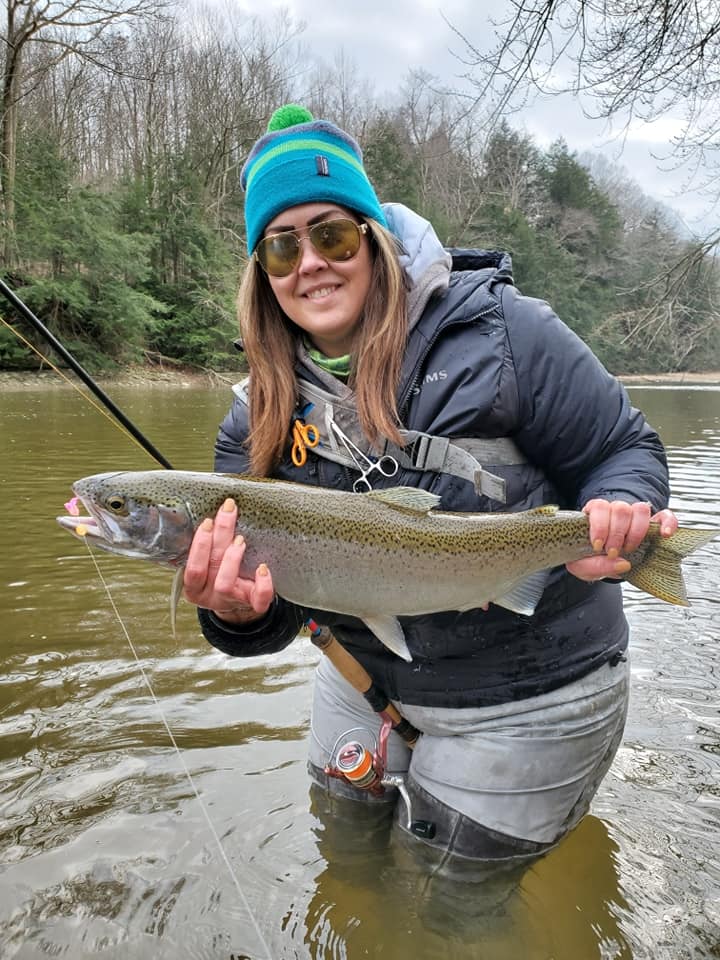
x=126 y=232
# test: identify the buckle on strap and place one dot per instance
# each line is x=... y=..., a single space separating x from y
x=423 y=451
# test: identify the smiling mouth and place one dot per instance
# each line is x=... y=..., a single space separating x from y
x=320 y=293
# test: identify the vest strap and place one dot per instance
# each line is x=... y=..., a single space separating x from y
x=459 y=457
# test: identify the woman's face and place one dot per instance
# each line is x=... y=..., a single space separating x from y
x=323 y=297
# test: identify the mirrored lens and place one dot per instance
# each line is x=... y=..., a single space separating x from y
x=336 y=239
x=278 y=253
x=333 y=239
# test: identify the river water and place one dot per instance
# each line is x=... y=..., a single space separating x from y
x=115 y=844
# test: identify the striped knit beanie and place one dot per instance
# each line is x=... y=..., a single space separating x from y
x=303 y=160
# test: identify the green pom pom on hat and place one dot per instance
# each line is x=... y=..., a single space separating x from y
x=303 y=160
x=289 y=116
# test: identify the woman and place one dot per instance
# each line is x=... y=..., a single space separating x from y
x=354 y=315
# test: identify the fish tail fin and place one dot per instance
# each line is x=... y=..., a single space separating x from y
x=658 y=572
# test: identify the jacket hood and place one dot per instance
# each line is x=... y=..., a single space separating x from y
x=427 y=264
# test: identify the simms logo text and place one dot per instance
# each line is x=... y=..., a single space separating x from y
x=433 y=377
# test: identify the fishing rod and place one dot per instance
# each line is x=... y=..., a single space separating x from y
x=40 y=327
x=351 y=761
x=360 y=679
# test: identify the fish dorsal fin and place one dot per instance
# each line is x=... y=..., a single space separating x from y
x=546 y=510
x=406 y=499
x=525 y=595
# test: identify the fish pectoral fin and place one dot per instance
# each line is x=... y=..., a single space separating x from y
x=524 y=595
x=175 y=594
x=406 y=499
x=390 y=633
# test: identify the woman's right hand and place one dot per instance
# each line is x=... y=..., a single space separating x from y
x=212 y=570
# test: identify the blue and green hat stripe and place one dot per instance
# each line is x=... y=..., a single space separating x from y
x=304 y=163
x=306 y=144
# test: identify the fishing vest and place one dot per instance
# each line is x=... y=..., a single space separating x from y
x=342 y=441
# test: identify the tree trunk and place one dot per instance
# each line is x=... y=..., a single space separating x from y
x=15 y=40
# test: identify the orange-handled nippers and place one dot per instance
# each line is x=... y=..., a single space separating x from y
x=305 y=436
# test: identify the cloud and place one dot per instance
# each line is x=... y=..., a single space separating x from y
x=386 y=39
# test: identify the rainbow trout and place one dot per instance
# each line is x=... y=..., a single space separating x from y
x=376 y=555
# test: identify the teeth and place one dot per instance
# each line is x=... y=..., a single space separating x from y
x=322 y=292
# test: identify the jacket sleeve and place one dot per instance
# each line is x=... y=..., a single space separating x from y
x=270 y=634
x=281 y=624
x=575 y=420
x=231 y=453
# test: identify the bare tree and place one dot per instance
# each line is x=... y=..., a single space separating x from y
x=75 y=27
x=448 y=145
x=338 y=90
x=623 y=59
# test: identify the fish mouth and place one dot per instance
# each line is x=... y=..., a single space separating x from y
x=88 y=529
x=82 y=527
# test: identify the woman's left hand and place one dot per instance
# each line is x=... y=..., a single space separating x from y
x=617 y=528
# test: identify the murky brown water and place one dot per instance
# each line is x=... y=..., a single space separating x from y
x=105 y=849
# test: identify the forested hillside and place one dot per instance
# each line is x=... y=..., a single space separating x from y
x=121 y=213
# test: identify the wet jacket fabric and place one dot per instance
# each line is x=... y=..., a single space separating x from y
x=483 y=361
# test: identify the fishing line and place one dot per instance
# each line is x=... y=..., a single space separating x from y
x=121 y=422
x=180 y=757
x=85 y=396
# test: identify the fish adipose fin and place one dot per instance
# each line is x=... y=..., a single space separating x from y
x=525 y=595
x=406 y=499
x=390 y=633
x=658 y=571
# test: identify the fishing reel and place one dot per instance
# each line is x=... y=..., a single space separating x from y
x=366 y=769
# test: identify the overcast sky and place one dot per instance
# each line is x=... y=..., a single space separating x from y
x=387 y=38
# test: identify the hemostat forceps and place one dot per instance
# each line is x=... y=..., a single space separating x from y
x=385 y=465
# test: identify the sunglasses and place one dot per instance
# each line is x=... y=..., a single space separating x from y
x=337 y=240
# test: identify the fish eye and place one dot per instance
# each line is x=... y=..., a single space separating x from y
x=116 y=503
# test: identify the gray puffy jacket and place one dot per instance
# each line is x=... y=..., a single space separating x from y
x=483 y=361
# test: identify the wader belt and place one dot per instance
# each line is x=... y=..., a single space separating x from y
x=460 y=457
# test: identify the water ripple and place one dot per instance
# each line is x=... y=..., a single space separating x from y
x=104 y=848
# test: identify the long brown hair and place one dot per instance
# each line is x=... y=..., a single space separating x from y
x=270 y=342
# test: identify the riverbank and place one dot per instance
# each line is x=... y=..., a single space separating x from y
x=688 y=379
x=188 y=378
x=127 y=377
